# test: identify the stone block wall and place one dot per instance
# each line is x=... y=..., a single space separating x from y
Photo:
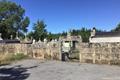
x=88 y=52
x=13 y=48
x=38 y=50
x=100 y=53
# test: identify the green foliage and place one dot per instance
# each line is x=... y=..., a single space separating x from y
x=39 y=31
x=12 y=19
x=30 y=35
x=18 y=56
x=85 y=33
x=64 y=33
x=8 y=58
x=51 y=36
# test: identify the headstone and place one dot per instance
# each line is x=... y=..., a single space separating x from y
x=60 y=38
x=11 y=37
x=45 y=40
x=80 y=38
x=55 y=40
x=0 y=36
x=52 y=41
x=33 y=41
x=39 y=41
x=17 y=36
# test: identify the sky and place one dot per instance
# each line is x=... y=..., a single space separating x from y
x=63 y=15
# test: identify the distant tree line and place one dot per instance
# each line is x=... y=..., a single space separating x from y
x=14 y=22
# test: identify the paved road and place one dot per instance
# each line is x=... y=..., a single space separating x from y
x=55 y=70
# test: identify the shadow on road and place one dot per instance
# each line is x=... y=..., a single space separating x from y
x=15 y=73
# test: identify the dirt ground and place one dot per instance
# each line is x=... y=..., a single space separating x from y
x=56 y=70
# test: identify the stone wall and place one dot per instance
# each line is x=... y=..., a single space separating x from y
x=37 y=50
x=46 y=50
x=100 y=52
x=88 y=52
x=13 y=48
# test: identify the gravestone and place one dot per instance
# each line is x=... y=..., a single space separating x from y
x=39 y=41
x=33 y=41
x=45 y=41
x=17 y=36
x=0 y=36
x=11 y=37
x=55 y=40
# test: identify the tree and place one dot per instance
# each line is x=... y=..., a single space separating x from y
x=12 y=19
x=64 y=33
x=85 y=33
x=75 y=32
x=30 y=35
x=39 y=30
x=51 y=36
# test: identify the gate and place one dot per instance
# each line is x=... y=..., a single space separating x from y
x=69 y=51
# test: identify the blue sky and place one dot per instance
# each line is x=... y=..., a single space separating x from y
x=62 y=15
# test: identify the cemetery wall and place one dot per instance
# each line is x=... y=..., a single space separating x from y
x=37 y=50
x=100 y=53
x=88 y=52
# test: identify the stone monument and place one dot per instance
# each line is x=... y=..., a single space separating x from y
x=33 y=42
x=39 y=41
x=45 y=40
x=1 y=36
x=11 y=37
x=17 y=36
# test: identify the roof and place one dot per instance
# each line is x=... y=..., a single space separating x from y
x=107 y=34
x=10 y=41
x=71 y=38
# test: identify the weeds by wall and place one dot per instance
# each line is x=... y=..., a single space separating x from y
x=8 y=58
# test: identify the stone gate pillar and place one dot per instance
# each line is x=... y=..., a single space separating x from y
x=60 y=50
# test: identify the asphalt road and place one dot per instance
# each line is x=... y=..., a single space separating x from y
x=56 y=70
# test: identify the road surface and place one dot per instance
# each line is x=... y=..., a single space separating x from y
x=56 y=70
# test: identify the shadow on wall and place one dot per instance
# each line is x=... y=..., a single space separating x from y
x=15 y=73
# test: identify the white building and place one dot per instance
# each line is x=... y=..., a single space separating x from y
x=103 y=37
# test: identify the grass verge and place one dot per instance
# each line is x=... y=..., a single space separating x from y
x=8 y=58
